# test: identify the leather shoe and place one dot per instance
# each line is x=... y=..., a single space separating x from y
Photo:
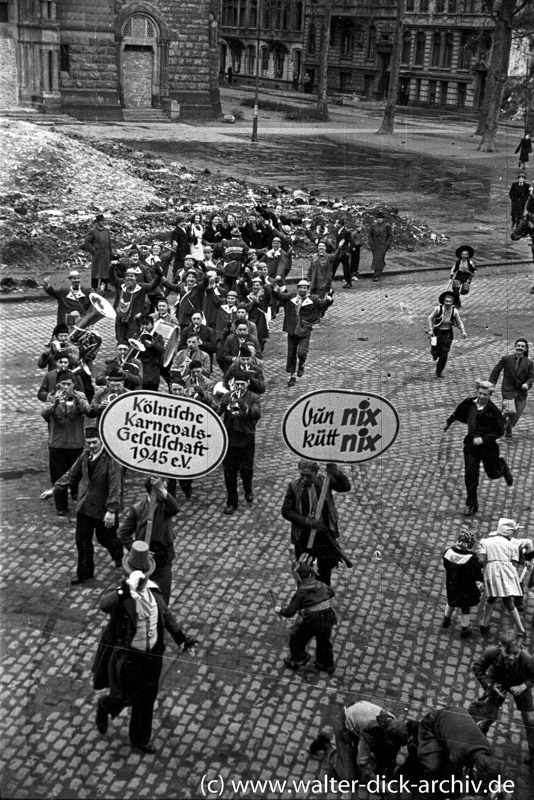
x=347 y=286
x=292 y=381
x=149 y=749
x=249 y=497
x=507 y=475
x=229 y=510
x=466 y=632
x=470 y=510
x=446 y=622
x=101 y=719
x=300 y=372
x=79 y=581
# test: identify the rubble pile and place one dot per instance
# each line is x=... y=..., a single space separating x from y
x=55 y=184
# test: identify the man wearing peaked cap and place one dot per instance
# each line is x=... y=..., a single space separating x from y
x=69 y=298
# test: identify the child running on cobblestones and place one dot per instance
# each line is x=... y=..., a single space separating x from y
x=463 y=570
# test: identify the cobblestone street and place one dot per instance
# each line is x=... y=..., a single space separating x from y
x=232 y=709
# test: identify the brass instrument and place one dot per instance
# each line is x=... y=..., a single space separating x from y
x=88 y=341
x=136 y=347
x=219 y=390
x=171 y=337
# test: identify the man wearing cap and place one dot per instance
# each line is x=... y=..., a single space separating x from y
x=254 y=373
x=485 y=424
x=299 y=508
x=320 y=271
x=206 y=335
x=276 y=260
x=302 y=312
x=441 y=322
x=257 y=304
x=64 y=411
x=69 y=299
x=517 y=380
x=235 y=342
x=316 y=618
x=95 y=481
x=344 y=245
x=234 y=252
x=105 y=394
x=59 y=343
x=500 y=669
x=98 y=243
x=240 y=410
x=380 y=238
x=151 y=357
x=132 y=370
x=368 y=739
x=160 y=504
x=130 y=300
x=129 y=658
x=53 y=377
x=183 y=359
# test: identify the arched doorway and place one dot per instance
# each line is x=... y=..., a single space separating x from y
x=140 y=73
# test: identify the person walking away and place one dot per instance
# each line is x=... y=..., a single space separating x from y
x=463 y=571
x=524 y=148
x=316 y=618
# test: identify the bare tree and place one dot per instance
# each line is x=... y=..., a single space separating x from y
x=322 y=85
x=388 y=120
x=504 y=12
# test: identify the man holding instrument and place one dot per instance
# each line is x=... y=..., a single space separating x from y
x=310 y=507
x=150 y=520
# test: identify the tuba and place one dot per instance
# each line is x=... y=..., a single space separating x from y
x=85 y=340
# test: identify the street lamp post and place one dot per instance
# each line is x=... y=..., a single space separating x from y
x=254 y=137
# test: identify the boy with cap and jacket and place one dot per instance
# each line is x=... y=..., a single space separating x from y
x=316 y=618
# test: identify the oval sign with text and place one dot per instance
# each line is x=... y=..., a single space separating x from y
x=162 y=434
x=340 y=425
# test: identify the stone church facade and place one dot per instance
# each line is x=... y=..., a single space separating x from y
x=100 y=59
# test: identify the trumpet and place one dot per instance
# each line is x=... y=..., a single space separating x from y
x=145 y=339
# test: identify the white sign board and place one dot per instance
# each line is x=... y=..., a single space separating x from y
x=175 y=437
x=340 y=425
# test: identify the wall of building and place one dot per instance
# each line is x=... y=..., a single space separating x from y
x=8 y=69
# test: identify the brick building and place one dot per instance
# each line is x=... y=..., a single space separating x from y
x=445 y=53
x=100 y=59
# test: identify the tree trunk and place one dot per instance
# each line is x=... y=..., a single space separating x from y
x=497 y=73
x=387 y=126
x=322 y=102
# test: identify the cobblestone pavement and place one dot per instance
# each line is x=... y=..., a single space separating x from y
x=231 y=709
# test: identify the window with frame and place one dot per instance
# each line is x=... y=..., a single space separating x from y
x=440 y=6
x=423 y=6
x=410 y=5
x=420 y=49
x=447 y=50
x=432 y=92
x=265 y=57
x=466 y=50
x=436 y=49
x=406 y=47
x=279 y=63
x=64 y=58
x=139 y=27
x=251 y=59
x=347 y=44
x=452 y=6
x=462 y=94
x=311 y=39
x=298 y=17
x=253 y=14
x=4 y=12
x=371 y=43
x=470 y=6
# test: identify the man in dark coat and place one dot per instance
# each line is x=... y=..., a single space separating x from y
x=151 y=357
x=517 y=380
x=130 y=655
x=69 y=298
x=51 y=379
x=299 y=508
x=240 y=410
x=98 y=243
x=344 y=245
x=130 y=300
x=485 y=424
x=133 y=526
x=506 y=668
x=179 y=244
x=380 y=238
x=518 y=194
x=451 y=741
x=95 y=480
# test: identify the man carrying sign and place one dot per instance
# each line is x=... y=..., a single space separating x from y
x=160 y=507
x=318 y=537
